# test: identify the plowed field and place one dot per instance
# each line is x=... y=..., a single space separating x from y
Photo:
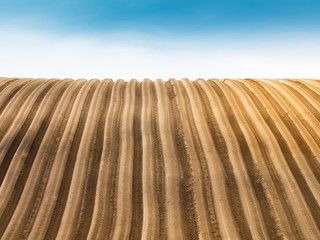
x=207 y=159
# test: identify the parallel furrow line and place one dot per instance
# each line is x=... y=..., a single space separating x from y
x=150 y=224
x=70 y=218
x=296 y=123
x=275 y=205
x=248 y=198
x=7 y=82
x=61 y=115
x=9 y=137
x=124 y=191
x=290 y=135
x=14 y=106
x=197 y=184
x=102 y=205
x=172 y=174
x=137 y=207
x=217 y=175
x=93 y=168
x=298 y=204
x=23 y=149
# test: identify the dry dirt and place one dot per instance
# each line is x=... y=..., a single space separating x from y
x=207 y=159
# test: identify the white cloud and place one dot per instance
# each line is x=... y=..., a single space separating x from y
x=26 y=53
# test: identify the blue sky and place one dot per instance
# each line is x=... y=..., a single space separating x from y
x=160 y=39
x=171 y=16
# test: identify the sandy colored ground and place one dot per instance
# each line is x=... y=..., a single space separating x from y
x=208 y=159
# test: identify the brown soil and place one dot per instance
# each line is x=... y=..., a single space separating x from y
x=208 y=159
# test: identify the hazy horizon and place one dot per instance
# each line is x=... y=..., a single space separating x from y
x=153 y=39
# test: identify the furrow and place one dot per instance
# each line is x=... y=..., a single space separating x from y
x=208 y=196
x=137 y=207
x=292 y=135
x=227 y=226
x=14 y=106
x=36 y=144
x=310 y=96
x=40 y=158
x=203 y=224
x=233 y=193
x=159 y=165
x=85 y=97
x=271 y=150
x=174 y=228
x=313 y=84
x=4 y=82
x=298 y=153
x=297 y=111
x=20 y=126
x=295 y=197
x=311 y=111
x=308 y=113
x=187 y=205
x=178 y=159
x=302 y=132
x=8 y=93
x=93 y=169
x=124 y=189
x=302 y=83
x=12 y=137
x=20 y=155
x=56 y=128
x=238 y=155
x=15 y=179
x=72 y=209
x=272 y=205
x=150 y=223
x=102 y=205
